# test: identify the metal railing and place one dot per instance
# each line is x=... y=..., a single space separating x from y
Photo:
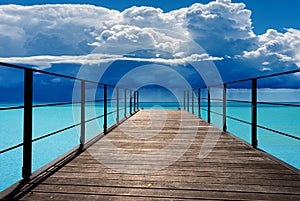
x=28 y=107
x=254 y=105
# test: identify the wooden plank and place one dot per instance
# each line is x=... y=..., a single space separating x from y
x=231 y=170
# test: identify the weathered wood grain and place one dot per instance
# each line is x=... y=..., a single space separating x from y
x=109 y=170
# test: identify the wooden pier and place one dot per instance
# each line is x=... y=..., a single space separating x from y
x=169 y=155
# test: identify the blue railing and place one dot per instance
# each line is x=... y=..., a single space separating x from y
x=197 y=102
x=118 y=101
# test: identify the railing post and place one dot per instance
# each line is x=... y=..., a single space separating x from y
x=224 y=109
x=125 y=106
x=184 y=107
x=188 y=100
x=27 y=127
x=254 y=114
x=193 y=97
x=134 y=101
x=199 y=102
x=208 y=104
x=118 y=105
x=105 y=109
x=130 y=102
x=82 y=112
x=137 y=100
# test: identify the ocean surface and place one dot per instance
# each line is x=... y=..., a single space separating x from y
x=49 y=119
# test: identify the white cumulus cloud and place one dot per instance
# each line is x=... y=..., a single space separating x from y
x=132 y=38
x=274 y=47
x=50 y=34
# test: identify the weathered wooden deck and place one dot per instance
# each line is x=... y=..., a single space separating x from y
x=159 y=160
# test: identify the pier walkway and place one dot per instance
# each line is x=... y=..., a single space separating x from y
x=169 y=155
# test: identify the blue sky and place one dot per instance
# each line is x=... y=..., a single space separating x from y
x=167 y=43
x=277 y=15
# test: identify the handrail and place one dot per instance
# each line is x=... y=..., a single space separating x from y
x=55 y=74
x=259 y=126
x=258 y=102
x=257 y=78
x=29 y=106
x=55 y=104
x=254 y=104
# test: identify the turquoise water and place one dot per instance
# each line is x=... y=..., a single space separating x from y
x=281 y=118
x=49 y=119
x=45 y=120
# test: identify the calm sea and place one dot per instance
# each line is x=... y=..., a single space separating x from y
x=50 y=119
